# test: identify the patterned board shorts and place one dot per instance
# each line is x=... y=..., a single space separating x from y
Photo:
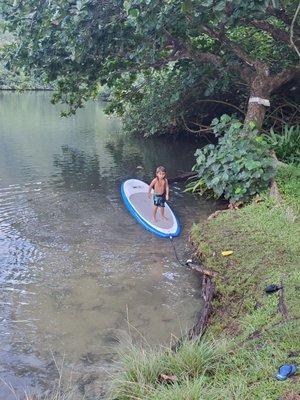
x=159 y=200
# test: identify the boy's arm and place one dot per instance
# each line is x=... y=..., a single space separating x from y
x=150 y=187
x=167 y=190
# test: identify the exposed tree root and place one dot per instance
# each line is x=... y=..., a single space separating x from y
x=199 y=268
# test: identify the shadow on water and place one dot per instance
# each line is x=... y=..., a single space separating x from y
x=74 y=264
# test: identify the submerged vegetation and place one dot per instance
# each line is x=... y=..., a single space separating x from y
x=256 y=332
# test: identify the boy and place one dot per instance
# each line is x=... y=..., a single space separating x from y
x=161 y=192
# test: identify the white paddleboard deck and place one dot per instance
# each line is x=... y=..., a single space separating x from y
x=135 y=196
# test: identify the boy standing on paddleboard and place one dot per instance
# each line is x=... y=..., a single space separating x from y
x=161 y=192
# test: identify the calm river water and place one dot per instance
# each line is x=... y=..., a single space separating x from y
x=75 y=267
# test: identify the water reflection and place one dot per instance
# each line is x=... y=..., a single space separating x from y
x=74 y=264
x=78 y=170
x=142 y=157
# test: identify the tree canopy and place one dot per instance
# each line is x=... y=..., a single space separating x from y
x=204 y=47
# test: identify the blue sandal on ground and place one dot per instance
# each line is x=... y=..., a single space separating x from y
x=285 y=371
x=272 y=288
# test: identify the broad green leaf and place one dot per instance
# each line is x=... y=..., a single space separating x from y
x=134 y=12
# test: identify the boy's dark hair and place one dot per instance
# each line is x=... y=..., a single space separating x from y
x=161 y=168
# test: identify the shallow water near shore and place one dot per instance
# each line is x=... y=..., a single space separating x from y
x=76 y=270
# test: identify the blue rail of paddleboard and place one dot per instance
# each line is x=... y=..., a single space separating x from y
x=143 y=222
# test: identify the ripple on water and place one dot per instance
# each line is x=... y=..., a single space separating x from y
x=17 y=250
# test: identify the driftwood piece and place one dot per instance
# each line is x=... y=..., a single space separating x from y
x=208 y=291
x=199 y=268
x=182 y=177
x=169 y=379
x=216 y=214
x=282 y=308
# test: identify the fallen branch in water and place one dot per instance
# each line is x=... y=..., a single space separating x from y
x=182 y=177
x=199 y=268
x=208 y=291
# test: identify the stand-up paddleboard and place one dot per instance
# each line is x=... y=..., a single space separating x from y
x=135 y=196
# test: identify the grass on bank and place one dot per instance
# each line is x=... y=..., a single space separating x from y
x=254 y=337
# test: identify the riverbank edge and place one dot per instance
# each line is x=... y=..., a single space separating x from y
x=256 y=332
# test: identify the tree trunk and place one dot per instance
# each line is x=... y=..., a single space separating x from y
x=255 y=113
x=260 y=89
x=261 y=86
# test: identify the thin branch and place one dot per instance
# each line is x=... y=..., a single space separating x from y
x=192 y=130
x=221 y=102
x=292 y=31
x=281 y=106
x=290 y=103
x=201 y=125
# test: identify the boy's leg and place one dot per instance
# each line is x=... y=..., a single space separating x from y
x=162 y=211
x=154 y=211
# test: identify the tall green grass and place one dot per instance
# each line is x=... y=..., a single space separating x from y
x=142 y=368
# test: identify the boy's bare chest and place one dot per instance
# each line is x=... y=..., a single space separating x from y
x=159 y=187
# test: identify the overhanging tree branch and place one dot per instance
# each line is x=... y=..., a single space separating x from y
x=211 y=58
x=238 y=50
x=283 y=77
x=276 y=33
x=182 y=48
x=279 y=13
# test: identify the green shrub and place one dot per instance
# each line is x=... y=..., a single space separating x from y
x=238 y=167
x=286 y=144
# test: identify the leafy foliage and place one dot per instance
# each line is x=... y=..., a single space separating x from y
x=16 y=78
x=238 y=167
x=83 y=45
x=286 y=144
x=167 y=100
x=20 y=80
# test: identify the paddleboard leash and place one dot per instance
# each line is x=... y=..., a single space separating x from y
x=175 y=252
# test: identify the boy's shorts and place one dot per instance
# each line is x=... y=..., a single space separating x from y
x=159 y=200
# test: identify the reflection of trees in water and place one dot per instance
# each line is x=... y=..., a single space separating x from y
x=130 y=152
x=78 y=169
x=124 y=151
x=81 y=170
x=127 y=156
